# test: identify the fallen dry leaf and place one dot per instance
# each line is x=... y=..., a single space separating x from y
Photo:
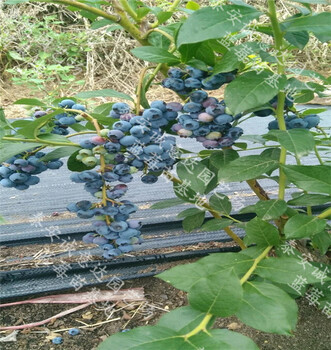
x=232 y=326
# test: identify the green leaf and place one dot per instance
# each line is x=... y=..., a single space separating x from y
x=192 y=222
x=14 y=55
x=156 y=337
x=309 y=200
x=188 y=212
x=184 y=192
x=144 y=338
x=142 y=12
x=196 y=174
x=205 y=53
x=246 y=168
x=318 y=24
x=306 y=73
x=75 y=165
x=228 y=340
x=53 y=138
x=252 y=252
x=297 y=141
x=60 y=152
x=163 y=16
x=78 y=127
x=219 y=294
x=231 y=59
x=213 y=183
x=102 y=23
x=313 y=111
x=309 y=2
x=221 y=203
x=311 y=178
x=30 y=102
x=103 y=93
x=304 y=96
x=104 y=120
x=286 y=270
x=197 y=64
x=207 y=23
x=104 y=108
x=30 y=129
x=216 y=224
x=192 y=5
x=10 y=149
x=209 y=265
x=268 y=308
x=155 y=54
x=167 y=203
x=271 y=209
x=187 y=51
x=300 y=226
x=261 y=232
x=322 y=240
x=220 y=159
x=250 y=90
x=182 y=320
x=298 y=39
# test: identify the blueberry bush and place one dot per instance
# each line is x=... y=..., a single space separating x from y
x=245 y=50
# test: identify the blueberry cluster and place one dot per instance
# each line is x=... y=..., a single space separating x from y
x=205 y=119
x=19 y=171
x=134 y=143
x=273 y=103
x=146 y=145
x=114 y=232
x=64 y=120
x=294 y=122
x=185 y=81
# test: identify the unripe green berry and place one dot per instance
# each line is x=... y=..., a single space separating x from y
x=104 y=132
x=133 y=170
x=98 y=194
x=79 y=118
x=90 y=161
x=213 y=135
x=99 y=150
x=184 y=132
x=85 y=152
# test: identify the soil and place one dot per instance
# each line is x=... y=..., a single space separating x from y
x=312 y=332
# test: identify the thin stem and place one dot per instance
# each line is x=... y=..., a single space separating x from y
x=318 y=155
x=167 y=35
x=172 y=8
x=51 y=143
x=232 y=218
x=140 y=88
x=129 y=10
x=254 y=266
x=326 y=213
x=119 y=18
x=279 y=41
x=212 y=211
x=202 y=326
x=322 y=131
x=81 y=133
x=161 y=67
x=258 y=190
